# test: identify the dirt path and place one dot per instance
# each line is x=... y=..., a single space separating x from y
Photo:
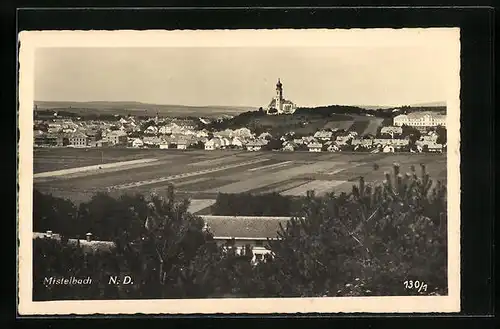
x=91 y=168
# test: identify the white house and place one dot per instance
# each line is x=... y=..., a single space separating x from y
x=265 y=135
x=182 y=144
x=420 y=119
x=333 y=148
x=391 y=130
x=213 y=144
x=164 y=145
x=323 y=135
x=289 y=146
x=151 y=130
x=314 y=147
x=137 y=143
x=388 y=149
x=237 y=142
x=254 y=145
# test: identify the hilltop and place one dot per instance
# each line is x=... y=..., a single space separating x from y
x=138 y=108
x=306 y=121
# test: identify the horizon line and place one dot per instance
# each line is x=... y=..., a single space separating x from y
x=432 y=103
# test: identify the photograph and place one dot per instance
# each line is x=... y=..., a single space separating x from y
x=239 y=171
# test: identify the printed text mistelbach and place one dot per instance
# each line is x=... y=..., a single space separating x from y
x=71 y=281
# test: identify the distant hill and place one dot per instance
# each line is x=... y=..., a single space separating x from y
x=416 y=105
x=138 y=108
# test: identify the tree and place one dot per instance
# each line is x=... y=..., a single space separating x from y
x=53 y=214
x=366 y=242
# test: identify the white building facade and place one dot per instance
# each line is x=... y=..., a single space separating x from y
x=417 y=119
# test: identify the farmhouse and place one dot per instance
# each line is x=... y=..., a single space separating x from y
x=280 y=105
x=137 y=143
x=213 y=144
x=182 y=144
x=420 y=119
x=151 y=130
x=367 y=142
x=241 y=231
x=333 y=148
x=164 y=145
x=289 y=146
x=391 y=130
x=323 y=135
x=117 y=137
x=254 y=145
x=99 y=143
x=315 y=147
x=151 y=140
x=388 y=149
x=237 y=142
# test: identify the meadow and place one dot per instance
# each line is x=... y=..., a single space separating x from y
x=201 y=175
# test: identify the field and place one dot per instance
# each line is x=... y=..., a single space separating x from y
x=201 y=175
x=136 y=108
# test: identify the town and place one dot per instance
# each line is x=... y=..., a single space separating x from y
x=422 y=131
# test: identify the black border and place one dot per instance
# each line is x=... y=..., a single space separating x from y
x=476 y=97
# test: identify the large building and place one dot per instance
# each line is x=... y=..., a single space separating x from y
x=280 y=105
x=420 y=119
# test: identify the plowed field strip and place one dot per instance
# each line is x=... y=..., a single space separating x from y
x=273 y=178
x=319 y=187
x=184 y=175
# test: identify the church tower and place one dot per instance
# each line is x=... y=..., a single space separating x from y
x=279 y=96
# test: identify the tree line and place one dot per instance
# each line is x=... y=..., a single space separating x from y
x=362 y=243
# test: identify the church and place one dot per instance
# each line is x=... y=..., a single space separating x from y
x=278 y=104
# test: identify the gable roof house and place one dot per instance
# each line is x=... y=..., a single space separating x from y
x=289 y=146
x=137 y=143
x=79 y=139
x=237 y=142
x=323 y=134
x=314 y=147
x=213 y=144
x=245 y=230
x=116 y=137
x=254 y=145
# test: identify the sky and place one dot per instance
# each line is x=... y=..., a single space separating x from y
x=244 y=76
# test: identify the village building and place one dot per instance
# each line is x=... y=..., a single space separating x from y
x=315 y=147
x=388 y=149
x=333 y=148
x=116 y=137
x=420 y=119
x=237 y=142
x=99 y=143
x=138 y=143
x=151 y=130
x=289 y=146
x=323 y=135
x=242 y=231
x=254 y=145
x=182 y=144
x=280 y=105
x=79 y=140
x=213 y=144
x=391 y=130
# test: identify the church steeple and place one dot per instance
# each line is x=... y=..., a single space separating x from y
x=279 y=96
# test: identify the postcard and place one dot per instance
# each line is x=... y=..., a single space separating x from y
x=239 y=171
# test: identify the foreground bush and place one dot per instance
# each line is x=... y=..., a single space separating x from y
x=367 y=242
